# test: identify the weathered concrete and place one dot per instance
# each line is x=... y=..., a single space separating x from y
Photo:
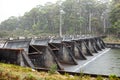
x=43 y=53
x=63 y=53
x=15 y=56
x=17 y=44
x=43 y=58
x=75 y=48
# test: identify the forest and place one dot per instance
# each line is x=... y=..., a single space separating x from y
x=68 y=17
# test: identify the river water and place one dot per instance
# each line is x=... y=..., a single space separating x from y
x=106 y=64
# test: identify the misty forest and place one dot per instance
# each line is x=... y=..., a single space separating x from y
x=74 y=17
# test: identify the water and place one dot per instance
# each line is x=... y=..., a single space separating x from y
x=107 y=64
x=1 y=45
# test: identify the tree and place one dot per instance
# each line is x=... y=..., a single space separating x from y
x=115 y=2
x=115 y=14
x=9 y=24
x=80 y=16
x=115 y=18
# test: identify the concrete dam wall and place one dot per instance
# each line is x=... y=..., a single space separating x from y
x=43 y=53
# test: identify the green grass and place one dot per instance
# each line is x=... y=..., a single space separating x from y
x=13 y=72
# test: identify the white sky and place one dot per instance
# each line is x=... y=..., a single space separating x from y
x=18 y=7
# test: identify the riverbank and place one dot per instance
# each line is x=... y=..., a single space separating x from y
x=12 y=72
x=111 y=39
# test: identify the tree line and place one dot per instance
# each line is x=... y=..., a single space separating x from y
x=74 y=16
x=115 y=18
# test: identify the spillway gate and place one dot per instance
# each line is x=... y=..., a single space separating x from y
x=43 y=53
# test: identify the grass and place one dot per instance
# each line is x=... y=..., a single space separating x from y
x=53 y=69
x=13 y=72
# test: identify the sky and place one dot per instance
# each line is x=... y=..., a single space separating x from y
x=18 y=7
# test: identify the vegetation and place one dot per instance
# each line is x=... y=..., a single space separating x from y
x=112 y=39
x=12 y=72
x=115 y=18
x=78 y=17
x=53 y=69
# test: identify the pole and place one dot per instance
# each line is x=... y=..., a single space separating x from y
x=104 y=23
x=60 y=29
x=90 y=15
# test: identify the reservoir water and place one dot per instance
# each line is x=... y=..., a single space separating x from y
x=106 y=62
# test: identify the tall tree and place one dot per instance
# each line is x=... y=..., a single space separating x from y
x=115 y=18
x=78 y=16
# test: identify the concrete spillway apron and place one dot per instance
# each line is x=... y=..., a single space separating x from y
x=93 y=59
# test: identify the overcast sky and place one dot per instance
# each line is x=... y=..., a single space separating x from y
x=18 y=7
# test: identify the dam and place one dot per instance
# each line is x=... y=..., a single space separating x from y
x=78 y=54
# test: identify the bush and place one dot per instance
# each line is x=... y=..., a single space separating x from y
x=113 y=77
x=53 y=69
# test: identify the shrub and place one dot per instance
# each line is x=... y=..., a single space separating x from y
x=53 y=69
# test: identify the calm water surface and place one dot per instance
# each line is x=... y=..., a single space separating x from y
x=108 y=63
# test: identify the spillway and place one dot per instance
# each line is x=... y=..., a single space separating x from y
x=69 y=54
